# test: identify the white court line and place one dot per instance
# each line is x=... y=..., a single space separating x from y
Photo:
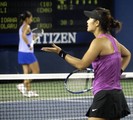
x=69 y=118
x=72 y=99
x=58 y=99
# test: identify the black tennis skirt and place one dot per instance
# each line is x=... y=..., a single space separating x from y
x=109 y=104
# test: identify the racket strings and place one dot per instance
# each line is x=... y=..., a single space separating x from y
x=79 y=81
x=37 y=33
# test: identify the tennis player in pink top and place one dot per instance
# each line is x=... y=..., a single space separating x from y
x=109 y=59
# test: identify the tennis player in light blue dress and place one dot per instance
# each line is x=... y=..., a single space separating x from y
x=26 y=56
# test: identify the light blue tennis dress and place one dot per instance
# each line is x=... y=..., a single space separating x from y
x=25 y=55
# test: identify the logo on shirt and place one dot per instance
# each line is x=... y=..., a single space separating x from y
x=93 y=110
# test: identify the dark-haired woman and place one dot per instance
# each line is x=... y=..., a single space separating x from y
x=109 y=59
x=26 y=56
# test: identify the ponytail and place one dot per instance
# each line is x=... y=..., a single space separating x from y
x=108 y=23
x=115 y=24
x=23 y=16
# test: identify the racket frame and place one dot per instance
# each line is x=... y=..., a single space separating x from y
x=89 y=70
x=39 y=34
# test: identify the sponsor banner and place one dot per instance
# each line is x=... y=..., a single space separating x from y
x=51 y=37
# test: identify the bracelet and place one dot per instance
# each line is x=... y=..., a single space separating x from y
x=62 y=54
x=28 y=45
x=122 y=71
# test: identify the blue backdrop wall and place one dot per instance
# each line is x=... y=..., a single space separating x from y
x=51 y=63
x=123 y=11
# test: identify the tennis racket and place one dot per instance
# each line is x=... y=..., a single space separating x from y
x=79 y=81
x=37 y=33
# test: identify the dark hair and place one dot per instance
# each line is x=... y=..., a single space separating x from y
x=25 y=15
x=108 y=23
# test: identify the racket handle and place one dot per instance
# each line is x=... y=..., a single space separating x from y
x=32 y=43
x=28 y=45
x=122 y=71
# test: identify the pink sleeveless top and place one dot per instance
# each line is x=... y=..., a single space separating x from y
x=107 y=69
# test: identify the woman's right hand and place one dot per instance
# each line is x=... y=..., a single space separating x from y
x=54 y=49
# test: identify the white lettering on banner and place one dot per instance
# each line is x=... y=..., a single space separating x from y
x=63 y=37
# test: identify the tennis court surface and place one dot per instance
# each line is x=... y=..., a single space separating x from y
x=53 y=102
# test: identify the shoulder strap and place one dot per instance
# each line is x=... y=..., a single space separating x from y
x=112 y=40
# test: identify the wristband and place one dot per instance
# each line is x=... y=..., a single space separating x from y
x=62 y=54
x=122 y=71
x=28 y=45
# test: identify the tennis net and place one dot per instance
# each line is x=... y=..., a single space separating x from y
x=53 y=102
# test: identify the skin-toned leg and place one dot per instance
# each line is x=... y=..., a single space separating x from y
x=26 y=70
x=95 y=118
x=32 y=68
